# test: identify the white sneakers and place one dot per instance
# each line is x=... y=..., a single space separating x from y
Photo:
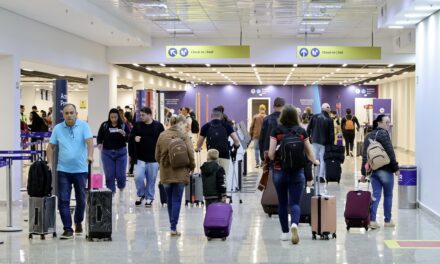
x=389 y=224
x=373 y=225
x=284 y=236
x=121 y=195
x=294 y=235
x=294 y=231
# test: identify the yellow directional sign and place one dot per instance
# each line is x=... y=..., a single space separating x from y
x=338 y=52
x=207 y=52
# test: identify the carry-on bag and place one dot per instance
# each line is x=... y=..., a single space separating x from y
x=194 y=190
x=269 y=199
x=333 y=170
x=357 y=207
x=98 y=212
x=323 y=214
x=162 y=194
x=42 y=216
x=306 y=205
x=218 y=221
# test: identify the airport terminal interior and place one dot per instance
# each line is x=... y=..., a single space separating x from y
x=361 y=65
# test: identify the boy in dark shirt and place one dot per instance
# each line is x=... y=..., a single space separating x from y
x=213 y=177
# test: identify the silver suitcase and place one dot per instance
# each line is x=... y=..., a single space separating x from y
x=42 y=216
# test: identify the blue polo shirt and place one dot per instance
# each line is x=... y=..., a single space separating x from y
x=72 y=147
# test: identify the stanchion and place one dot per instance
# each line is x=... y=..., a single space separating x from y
x=8 y=159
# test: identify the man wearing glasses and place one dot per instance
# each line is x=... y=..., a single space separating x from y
x=75 y=148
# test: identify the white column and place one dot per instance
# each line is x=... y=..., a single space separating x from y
x=10 y=102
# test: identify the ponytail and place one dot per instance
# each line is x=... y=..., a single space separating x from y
x=378 y=119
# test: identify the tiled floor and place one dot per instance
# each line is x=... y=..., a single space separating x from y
x=141 y=236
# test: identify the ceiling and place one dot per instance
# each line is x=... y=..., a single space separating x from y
x=307 y=74
x=255 y=18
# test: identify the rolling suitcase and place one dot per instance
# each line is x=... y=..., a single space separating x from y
x=162 y=194
x=218 y=221
x=42 y=216
x=269 y=199
x=357 y=207
x=98 y=212
x=194 y=190
x=333 y=170
x=323 y=214
x=306 y=206
x=360 y=145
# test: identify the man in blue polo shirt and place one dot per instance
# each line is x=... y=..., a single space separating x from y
x=75 y=148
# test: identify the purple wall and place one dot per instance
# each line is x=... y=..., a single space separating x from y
x=234 y=98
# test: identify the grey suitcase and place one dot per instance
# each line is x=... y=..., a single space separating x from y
x=194 y=190
x=42 y=216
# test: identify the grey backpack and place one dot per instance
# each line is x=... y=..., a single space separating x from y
x=377 y=157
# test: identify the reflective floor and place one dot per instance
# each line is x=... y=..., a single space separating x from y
x=141 y=236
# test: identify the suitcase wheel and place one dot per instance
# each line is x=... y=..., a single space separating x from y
x=223 y=238
x=54 y=234
x=366 y=228
x=30 y=236
x=334 y=236
x=209 y=238
x=43 y=237
x=270 y=215
x=348 y=228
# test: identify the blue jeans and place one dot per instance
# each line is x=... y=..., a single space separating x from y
x=319 y=151
x=114 y=162
x=382 y=179
x=174 y=194
x=146 y=171
x=289 y=186
x=257 y=151
x=65 y=181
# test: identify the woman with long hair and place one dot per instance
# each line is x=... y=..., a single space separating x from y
x=112 y=141
x=289 y=181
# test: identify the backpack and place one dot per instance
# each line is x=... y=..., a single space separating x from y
x=349 y=124
x=39 y=180
x=377 y=157
x=292 y=150
x=217 y=138
x=195 y=128
x=178 y=153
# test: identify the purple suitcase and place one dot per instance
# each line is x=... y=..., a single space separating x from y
x=218 y=220
x=357 y=209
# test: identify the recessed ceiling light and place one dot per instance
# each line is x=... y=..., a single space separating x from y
x=213 y=69
x=76 y=89
x=295 y=65
x=344 y=65
x=332 y=73
x=163 y=65
x=172 y=69
x=180 y=72
x=187 y=74
x=253 y=65
x=338 y=69
x=380 y=70
x=370 y=73
x=340 y=83
x=390 y=65
x=219 y=72
x=208 y=65
x=136 y=65
x=194 y=77
x=395 y=27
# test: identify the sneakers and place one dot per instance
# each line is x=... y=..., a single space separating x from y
x=121 y=195
x=139 y=201
x=78 y=228
x=175 y=233
x=294 y=231
x=284 y=236
x=257 y=166
x=148 y=203
x=67 y=234
x=373 y=225
x=389 y=224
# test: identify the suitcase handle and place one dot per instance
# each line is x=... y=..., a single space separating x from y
x=89 y=175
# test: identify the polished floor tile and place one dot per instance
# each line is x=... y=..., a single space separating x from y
x=141 y=236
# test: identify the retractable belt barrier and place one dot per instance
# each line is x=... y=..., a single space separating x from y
x=6 y=159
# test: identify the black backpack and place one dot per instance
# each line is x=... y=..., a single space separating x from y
x=217 y=138
x=195 y=128
x=292 y=150
x=39 y=180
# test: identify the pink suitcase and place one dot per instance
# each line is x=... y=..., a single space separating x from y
x=96 y=181
x=218 y=221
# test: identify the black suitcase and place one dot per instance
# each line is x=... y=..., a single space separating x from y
x=306 y=205
x=333 y=170
x=98 y=213
x=163 y=194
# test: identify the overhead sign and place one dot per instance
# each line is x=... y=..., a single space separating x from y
x=338 y=52
x=208 y=52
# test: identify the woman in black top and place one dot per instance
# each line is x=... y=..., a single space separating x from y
x=112 y=141
x=288 y=168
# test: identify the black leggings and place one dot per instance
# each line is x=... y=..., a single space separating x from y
x=349 y=141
